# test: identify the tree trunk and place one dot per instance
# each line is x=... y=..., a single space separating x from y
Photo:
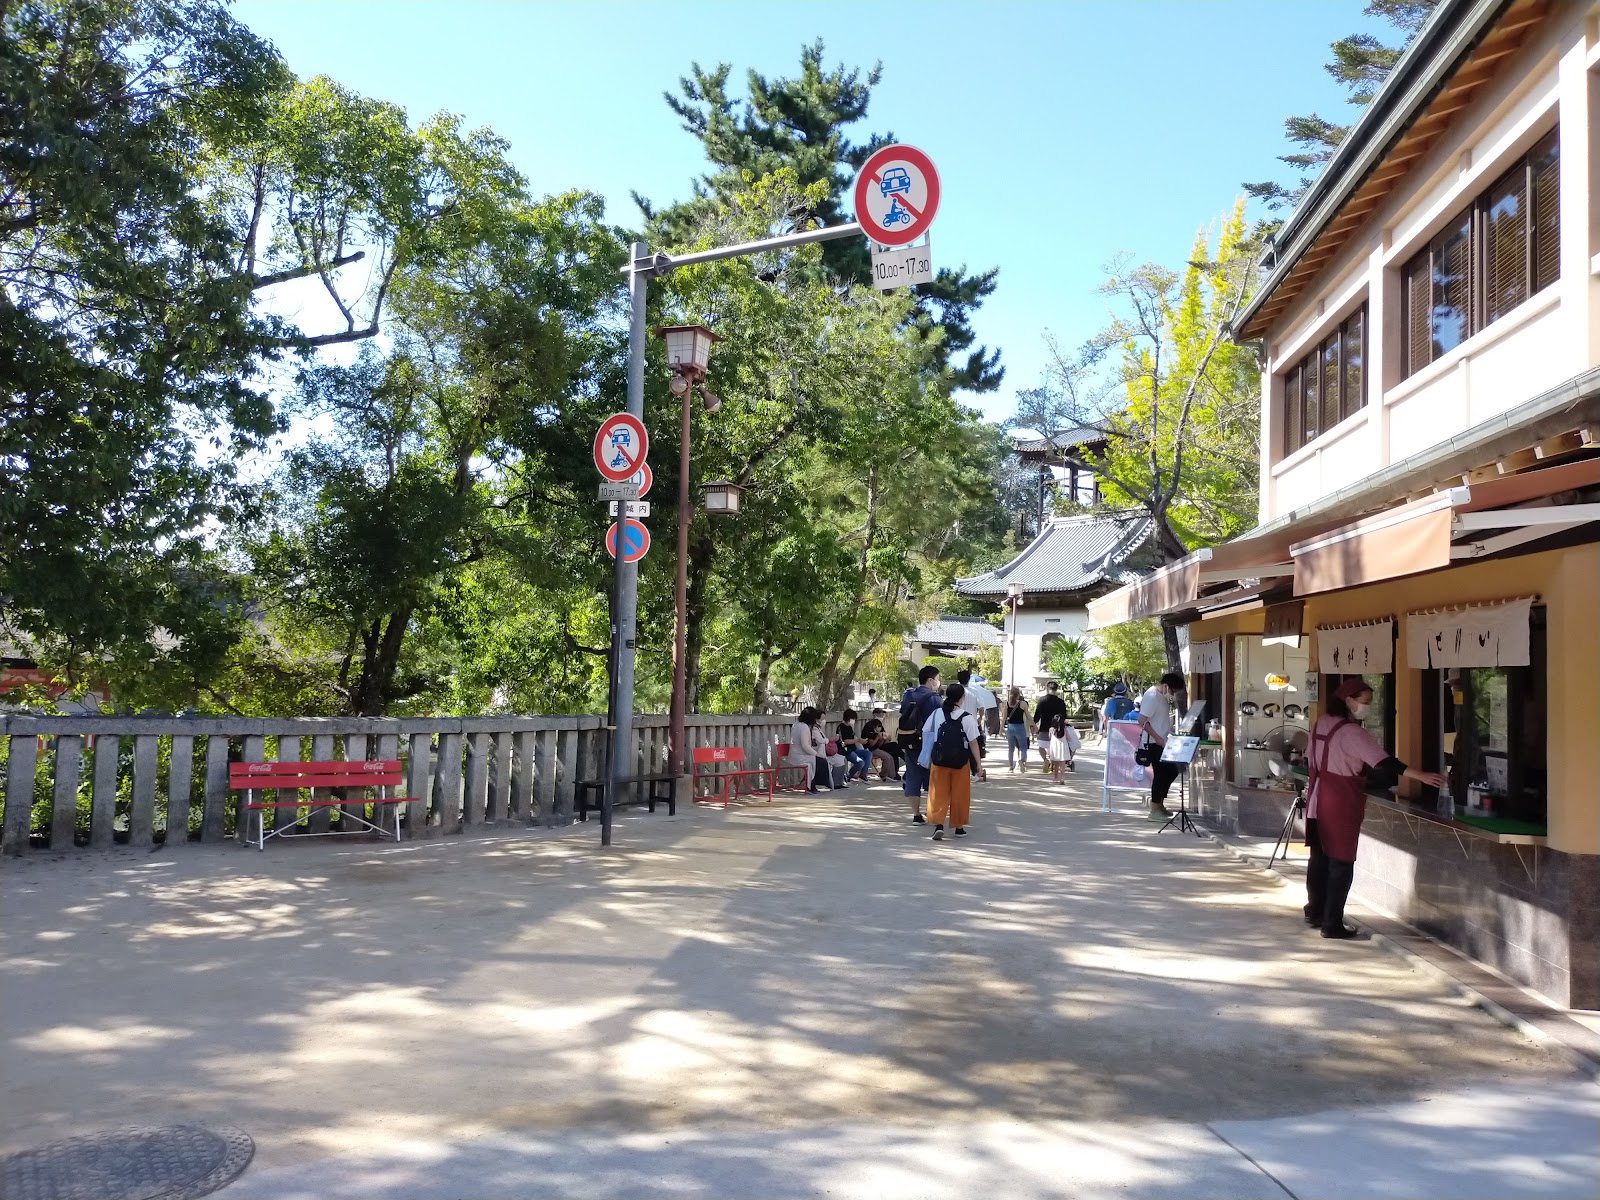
x=759 y=696
x=828 y=681
x=1169 y=638
x=379 y=664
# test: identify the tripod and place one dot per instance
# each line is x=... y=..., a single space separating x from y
x=1297 y=809
x=1181 y=818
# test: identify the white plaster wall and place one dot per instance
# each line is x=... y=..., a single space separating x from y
x=1032 y=626
x=1551 y=338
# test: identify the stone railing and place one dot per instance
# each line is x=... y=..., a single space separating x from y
x=91 y=782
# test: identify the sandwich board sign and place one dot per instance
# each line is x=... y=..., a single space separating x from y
x=1123 y=774
x=896 y=195
x=620 y=446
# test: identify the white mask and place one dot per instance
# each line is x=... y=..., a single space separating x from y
x=1359 y=710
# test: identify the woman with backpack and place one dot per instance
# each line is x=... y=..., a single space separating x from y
x=950 y=757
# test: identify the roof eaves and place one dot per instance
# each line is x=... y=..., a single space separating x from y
x=1427 y=63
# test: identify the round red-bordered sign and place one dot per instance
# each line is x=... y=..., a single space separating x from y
x=896 y=195
x=636 y=543
x=620 y=447
x=645 y=478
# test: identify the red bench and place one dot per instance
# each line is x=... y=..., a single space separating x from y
x=782 y=751
x=728 y=784
x=258 y=778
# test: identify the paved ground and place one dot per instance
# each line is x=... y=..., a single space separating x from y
x=810 y=999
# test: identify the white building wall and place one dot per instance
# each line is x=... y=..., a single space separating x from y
x=1552 y=337
x=1022 y=658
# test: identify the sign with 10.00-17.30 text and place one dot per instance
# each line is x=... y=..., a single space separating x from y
x=901 y=268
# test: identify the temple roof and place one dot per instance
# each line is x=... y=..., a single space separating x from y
x=957 y=631
x=1071 y=555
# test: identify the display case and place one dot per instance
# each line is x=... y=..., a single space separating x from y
x=1273 y=691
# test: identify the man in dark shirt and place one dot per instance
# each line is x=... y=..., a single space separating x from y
x=1050 y=706
x=916 y=705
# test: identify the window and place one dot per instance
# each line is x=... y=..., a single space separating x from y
x=1485 y=729
x=1327 y=385
x=1379 y=721
x=1498 y=251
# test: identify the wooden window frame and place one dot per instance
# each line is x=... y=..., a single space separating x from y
x=1476 y=215
x=1309 y=420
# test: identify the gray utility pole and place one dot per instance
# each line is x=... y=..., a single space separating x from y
x=642 y=267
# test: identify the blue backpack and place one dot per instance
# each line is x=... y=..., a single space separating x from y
x=1118 y=707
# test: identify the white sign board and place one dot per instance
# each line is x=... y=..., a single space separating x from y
x=619 y=491
x=636 y=508
x=1356 y=649
x=904 y=267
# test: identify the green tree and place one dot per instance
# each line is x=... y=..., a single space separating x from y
x=803 y=124
x=1134 y=652
x=1080 y=675
x=1361 y=62
x=129 y=348
x=1175 y=398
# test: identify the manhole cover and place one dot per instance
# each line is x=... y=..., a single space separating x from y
x=174 y=1162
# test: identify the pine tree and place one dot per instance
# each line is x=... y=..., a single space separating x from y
x=1361 y=63
x=800 y=122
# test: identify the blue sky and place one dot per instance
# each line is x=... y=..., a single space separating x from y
x=1065 y=133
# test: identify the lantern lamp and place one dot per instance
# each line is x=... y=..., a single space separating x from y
x=688 y=348
x=722 y=497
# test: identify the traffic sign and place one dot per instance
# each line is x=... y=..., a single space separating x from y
x=620 y=446
x=619 y=491
x=635 y=544
x=636 y=508
x=897 y=195
x=644 y=478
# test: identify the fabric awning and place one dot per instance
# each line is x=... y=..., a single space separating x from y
x=1450 y=526
x=1254 y=561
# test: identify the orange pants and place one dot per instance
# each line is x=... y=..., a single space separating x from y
x=949 y=796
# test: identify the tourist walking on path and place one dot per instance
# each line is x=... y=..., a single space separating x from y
x=915 y=705
x=949 y=754
x=1064 y=743
x=805 y=749
x=977 y=700
x=1155 y=719
x=1050 y=707
x=1336 y=800
x=1016 y=715
x=1116 y=708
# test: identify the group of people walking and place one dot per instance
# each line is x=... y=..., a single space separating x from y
x=1057 y=738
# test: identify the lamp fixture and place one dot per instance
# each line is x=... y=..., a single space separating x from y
x=721 y=497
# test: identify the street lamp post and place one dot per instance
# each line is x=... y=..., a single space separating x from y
x=642 y=267
x=688 y=353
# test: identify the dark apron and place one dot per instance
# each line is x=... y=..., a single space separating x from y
x=1341 y=800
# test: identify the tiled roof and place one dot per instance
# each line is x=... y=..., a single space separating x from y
x=958 y=631
x=1073 y=553
x=1063 y=439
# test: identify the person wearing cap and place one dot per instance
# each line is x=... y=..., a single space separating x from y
x=1336 y=800
x=1116 y=708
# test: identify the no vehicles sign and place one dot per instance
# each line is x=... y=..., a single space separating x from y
x=896 y=195
x=620 y=446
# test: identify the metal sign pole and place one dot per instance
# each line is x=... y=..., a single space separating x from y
x=625 y=575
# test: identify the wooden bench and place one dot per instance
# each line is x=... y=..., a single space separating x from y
x=727 y=784
x=258 y=778
x=582 y=789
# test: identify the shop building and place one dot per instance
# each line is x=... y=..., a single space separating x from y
x=1430 y=492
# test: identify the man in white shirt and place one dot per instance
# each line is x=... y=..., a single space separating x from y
x=977 y=700
x=1155 y=719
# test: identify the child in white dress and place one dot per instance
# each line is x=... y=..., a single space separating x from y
x=1064 y=743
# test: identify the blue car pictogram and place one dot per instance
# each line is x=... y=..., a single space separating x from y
x=895 y=180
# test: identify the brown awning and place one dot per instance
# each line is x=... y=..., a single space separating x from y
x=1431 y=533
x=1184 y=584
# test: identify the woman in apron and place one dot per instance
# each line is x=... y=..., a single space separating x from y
x=1336 y=801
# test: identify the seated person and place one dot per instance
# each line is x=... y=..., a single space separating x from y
x=886 y=751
